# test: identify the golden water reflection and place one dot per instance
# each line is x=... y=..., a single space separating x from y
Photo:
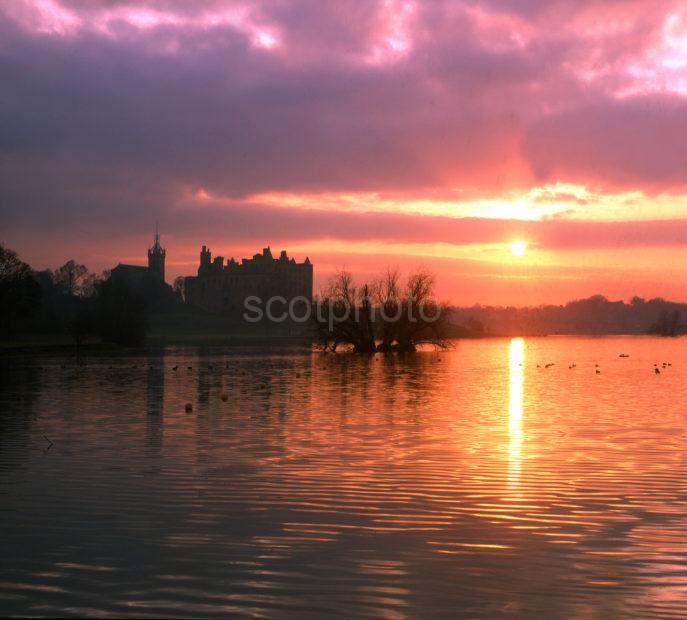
x=503 y=476
x=517 y=364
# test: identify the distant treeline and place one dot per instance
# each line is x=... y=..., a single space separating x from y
x=595 y=315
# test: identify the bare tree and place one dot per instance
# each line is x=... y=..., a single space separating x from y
x=344 y=314
x=423 y=318
x=75 y=279
x=377 y=317
x=389 y=304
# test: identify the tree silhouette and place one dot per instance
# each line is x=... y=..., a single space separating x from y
x=343 y=314
x=377 y=316
x=422 y=318
x=20 y=293
x=668 y=324
x=75 y=279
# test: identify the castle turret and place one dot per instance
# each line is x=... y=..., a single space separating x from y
x=222 y=287
x=205 y=259
x=156 y=258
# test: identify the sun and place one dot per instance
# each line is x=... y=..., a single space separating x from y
x=518 y=247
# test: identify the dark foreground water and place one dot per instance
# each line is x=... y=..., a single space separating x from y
x=465 y=484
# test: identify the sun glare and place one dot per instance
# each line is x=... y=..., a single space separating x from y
x=518 y=247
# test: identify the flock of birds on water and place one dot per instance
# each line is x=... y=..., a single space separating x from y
x=224 y=396
x=597 y=370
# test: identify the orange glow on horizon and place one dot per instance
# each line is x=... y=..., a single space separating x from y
x=560 y=200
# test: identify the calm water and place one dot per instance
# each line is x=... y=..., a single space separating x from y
x=465 y=484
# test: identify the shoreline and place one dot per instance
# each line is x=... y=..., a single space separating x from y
x=59 y=345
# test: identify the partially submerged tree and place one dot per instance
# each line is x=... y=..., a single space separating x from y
x=343 y=314
x=381 y=316
x=390 y=309
x=422 y=318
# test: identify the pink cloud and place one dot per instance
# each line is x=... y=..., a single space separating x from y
x=110 y=111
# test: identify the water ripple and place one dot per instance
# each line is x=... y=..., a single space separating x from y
x=476 y=483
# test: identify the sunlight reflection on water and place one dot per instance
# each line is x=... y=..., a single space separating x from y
x=516 y=361
x=478 y=482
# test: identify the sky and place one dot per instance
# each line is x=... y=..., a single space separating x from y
x=364 y=135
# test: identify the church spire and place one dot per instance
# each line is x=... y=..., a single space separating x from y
x=156 y=245
x=156 y=256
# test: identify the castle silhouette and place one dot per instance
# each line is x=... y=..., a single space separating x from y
x=222 y=288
